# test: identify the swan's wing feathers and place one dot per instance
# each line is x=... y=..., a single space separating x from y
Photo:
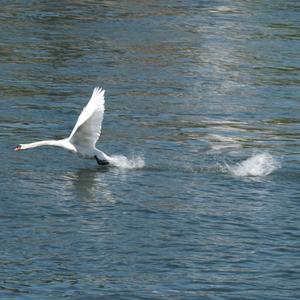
x=88 y=126
x=88 y=133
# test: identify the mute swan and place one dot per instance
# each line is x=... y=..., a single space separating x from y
x=85 y=133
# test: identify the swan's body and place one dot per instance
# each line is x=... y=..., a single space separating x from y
x=85 y=133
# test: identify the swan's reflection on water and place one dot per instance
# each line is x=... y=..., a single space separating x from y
x=88 y=185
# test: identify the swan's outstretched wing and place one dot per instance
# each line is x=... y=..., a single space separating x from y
x=88 y=126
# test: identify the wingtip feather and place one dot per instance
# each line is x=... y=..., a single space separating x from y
x=98 y=90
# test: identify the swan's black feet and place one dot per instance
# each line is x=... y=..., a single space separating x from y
x=101 y=162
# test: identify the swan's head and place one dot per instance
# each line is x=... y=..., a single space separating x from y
x=19 y=148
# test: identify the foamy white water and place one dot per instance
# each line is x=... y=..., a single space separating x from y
x=261 y=164
x=121 y=161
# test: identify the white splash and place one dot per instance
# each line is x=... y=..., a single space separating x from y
x=261 y=164
x=122 y=162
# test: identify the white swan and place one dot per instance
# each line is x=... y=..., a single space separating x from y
x=85 y=133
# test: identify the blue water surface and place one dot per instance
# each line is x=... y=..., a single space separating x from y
x=206 y=95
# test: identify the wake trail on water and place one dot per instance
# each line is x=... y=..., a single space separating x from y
x=261 y=164
x=122 y=162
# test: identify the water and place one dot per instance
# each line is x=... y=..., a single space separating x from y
x=202 y=100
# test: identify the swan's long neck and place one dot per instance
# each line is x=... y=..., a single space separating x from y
x=57 y=143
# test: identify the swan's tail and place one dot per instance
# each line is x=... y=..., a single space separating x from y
x=121 y=161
